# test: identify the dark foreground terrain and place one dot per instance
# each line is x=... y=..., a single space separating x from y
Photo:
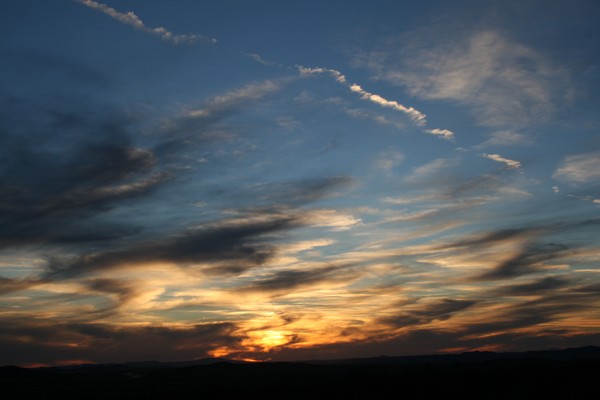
x=564 y=374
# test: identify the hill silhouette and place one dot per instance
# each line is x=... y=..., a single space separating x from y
x=564 y=374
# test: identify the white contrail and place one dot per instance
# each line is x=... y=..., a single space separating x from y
x=443 y=133
x=417 y=116
x=129 y=18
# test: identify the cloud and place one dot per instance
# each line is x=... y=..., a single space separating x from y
x=337 y=75
x=418 y=117
x=442 y=133
x=198 y=132
x=511 y=164
x=56 y=192
x=579 y=168
x=530 y=260
x=508 y=253
x=229 y=246
x=378 y=119
x=8 y=285
x=123 y=289
x=284 y=281
x=419 y=341
x=303 y=191
x=223 y=104
x=259 y=59
x=543 y=285
x=429 y=169
x=334 y=219
x=485 y=239
x=389 y=159
x=505 y=138
x=24 y=341
x=422 y=198
x=129 y=18
x=504 y=82
x=438 y=310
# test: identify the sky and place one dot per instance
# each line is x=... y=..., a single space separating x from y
x=294 y=180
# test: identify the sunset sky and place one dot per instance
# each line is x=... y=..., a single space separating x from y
x=292 y=180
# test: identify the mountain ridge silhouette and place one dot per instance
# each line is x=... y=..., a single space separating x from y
x=550 y=374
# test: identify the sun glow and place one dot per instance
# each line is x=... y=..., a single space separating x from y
x=271 y=338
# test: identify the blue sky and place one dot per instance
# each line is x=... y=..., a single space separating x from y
x=275 y=180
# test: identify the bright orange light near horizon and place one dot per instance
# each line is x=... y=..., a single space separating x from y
x=257 y=341
x=272 y=338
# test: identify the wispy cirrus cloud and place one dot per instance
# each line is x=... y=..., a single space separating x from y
x=505 y=138
x=256 y=57
x=230 y=246
x=429 y=169
x=378 y=119
x=579 y=168
x=543 y=285
x=389 y=159
x=439 y=310
x=131 y=19
x=62 y=191
x=512 y=164
x=224 y=103
x=286 y=280
x=505 y=83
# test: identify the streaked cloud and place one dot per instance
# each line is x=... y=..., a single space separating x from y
x=505 y=138
x=100 y=342
x=131 y=19
x=530 y=260
x=377 y=118
x=63 y=190
x=579 y=168
x=512 y=164
x=284 y=281
x=224 y=102
x=303 y=191
x=333 y=219
x=442 y=133
x=431 y=168
x=417 y=116
x=547 y=284
x=256 y=57
x=421 y=198
x=230 y=246
x=439 y=310
x=390 y=159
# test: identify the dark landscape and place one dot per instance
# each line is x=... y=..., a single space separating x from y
x=559 y=374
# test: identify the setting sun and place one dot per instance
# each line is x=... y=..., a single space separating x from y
x=272 y=339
